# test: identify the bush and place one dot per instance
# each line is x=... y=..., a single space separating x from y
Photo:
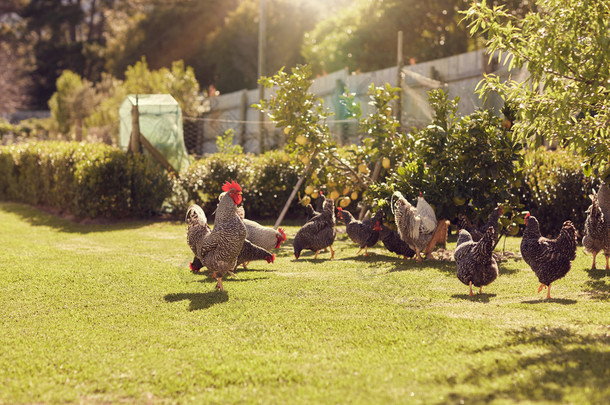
x=266 y=180
x=556 y=189
x=463 y=165
x=85 y=180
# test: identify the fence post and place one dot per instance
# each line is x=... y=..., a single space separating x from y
x=243 y=114
x=399 y=79
x=134 y=139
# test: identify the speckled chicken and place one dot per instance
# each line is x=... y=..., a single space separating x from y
x=319 y=233
x=196 y=232
x=365 y=233
x=391 y=240
x=221 y=248
x=477 y=232
x=250 y=252
x=475 y=263
x=310 y=212
x=597 y=226
x=550 y=259
x=262 y=236
x=418 y=226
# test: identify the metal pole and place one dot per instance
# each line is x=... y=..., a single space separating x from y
x=262 y=28
x=399 y=78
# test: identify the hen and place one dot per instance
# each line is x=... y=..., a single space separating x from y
x=391 y=240
x=319 y=233
x=250 y=251
x=196 y=232
x=597 y=227
x=219 y=251
x=310 y=211
x=550 y=259
x=418 y=226
x=262 y=236
x=364 y=233
x=478 y=232
x=475 y=263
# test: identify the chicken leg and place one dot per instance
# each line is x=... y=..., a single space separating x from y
x=332 y=252
x=593 y=265
x=608 y=262
x=548 y=292
x=470 y=285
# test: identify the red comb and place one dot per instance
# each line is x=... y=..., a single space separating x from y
x=280 y=238
x=339 y=209
x=270 y=259
x=231 y=186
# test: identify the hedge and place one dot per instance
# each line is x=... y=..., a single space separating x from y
x=84 y=180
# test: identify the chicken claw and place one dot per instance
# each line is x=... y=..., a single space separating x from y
x=470 y=285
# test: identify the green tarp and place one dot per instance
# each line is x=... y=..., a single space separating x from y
x=160 y=123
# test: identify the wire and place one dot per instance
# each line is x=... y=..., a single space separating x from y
x=260 y=122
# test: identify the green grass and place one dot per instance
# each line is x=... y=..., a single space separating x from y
x=111 y=314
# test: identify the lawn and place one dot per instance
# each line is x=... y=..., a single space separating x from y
x=111 y=314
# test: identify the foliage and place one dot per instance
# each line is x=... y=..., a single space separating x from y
x=363 y=37
x=84 y=180
x=466 y=164
x=556 y=189
x=74 y=100
x=303 y=117
x=224 y=144
x=266 y=181
x=115 y=309
x=567 y=95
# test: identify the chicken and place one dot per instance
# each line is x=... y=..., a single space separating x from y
x=477 y=232
x=262 y=236
x=550 y=259
x=197 y=231
x=364 y=233
x=219 y=251
x=391 y=240
x=310 y=211
x=417 y=226
x=475 y=263
x=250 y=251
x=597 y=226
x=319 y=233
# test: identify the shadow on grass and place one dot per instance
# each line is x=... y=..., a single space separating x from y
x=562 y=301
x=39 y=217
x=484 y=297
x=561 y=362
x=199 y=300
x=599 y=286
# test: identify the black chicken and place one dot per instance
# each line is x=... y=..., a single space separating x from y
x=550 y=259
x=319 y=233
x=364 y=233
x=478 y=232
x=597 y=227
x=475 y=263
x=392 y=241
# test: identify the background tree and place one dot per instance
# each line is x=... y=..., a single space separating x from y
x=566 y=48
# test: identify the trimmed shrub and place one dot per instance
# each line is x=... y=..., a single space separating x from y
x=556 y=189
x=86 y=180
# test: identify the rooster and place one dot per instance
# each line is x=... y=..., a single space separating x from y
x=597 y=227
x=477 y=232
x=418 y=226
x=219 y=251
x=364 y=233
x=319 y=233
x=475 y=263
x=391 y=240
x=550 y=259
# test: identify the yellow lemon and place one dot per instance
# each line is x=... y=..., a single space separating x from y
x=334 y=194
x=362 y=168
x=345 y=191
x=354 y=195
x=314 y=194
x=345 y=202
x=305 y=160
x=309 y=189
x=286 y=158
x=301 y=139
x=287 y=130
x=306 y=200
x=385 y=162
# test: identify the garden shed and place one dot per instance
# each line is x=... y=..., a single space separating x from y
x=160 y=123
